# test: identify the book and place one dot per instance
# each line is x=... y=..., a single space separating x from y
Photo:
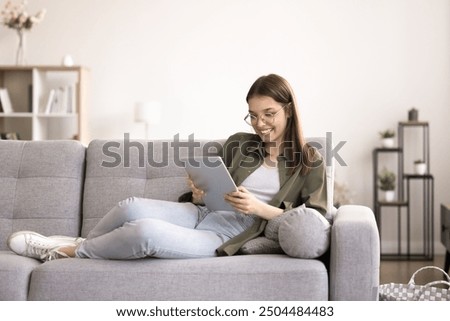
x=50 y=102
x=5 y=101
x=30 y=98
x=71 y=99
x=61 y=100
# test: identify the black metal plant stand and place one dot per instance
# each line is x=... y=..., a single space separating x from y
x=403 y=204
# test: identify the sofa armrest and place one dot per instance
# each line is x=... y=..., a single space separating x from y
x=355 y=255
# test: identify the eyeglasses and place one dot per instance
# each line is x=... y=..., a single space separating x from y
x=267 y=118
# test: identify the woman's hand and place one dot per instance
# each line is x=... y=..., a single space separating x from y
x=197 y=194
x=246 y=203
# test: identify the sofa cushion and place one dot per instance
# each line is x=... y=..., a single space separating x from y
x=15 y=274
x=42 y=184
x=118 y=169
x=304 y=233
x=266 y=244
x=241 y=277
x=261 y=245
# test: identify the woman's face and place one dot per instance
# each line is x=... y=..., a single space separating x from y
x=271 y=118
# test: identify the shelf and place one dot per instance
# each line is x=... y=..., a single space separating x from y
x=388 y=150
x=49 y=102
x=393 y=204
x=12 y=115
x=41 y=67
x=414 y=210
x=405 y=257
x=417 y=176
x=413 y=123
x=56 y=115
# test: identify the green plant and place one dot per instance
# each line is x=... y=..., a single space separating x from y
x=386 y=180
x=389 y=133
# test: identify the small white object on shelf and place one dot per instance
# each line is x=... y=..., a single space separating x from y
x=50 y=101
x=420 y=168
x=5 y=101
x=389 y=196
x=388 y=142
x=67 y=61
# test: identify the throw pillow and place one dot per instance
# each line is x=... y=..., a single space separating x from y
x=261 y=245
x=304 y=233
x=267 y=244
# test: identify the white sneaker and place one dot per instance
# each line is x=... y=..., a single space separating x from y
x=63 y=238
x=34 y=245
x=54 y=255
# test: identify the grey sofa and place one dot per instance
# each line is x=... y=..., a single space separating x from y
x=64 y=188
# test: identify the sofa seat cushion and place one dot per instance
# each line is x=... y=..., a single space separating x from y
x=15 y=273
x=243 y=277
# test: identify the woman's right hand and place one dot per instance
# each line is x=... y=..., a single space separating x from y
x=197 y=194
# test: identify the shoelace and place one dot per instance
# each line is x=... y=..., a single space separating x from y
x=54 y=255
x=36 y=248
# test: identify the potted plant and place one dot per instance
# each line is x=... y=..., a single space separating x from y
x=387 y=138
x=420 y=167
x=387 y=184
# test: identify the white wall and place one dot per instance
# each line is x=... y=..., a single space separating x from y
x=357 y=67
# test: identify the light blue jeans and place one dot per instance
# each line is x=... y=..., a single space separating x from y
x=138 y=227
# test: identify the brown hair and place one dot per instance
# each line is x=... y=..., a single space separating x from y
x=296 y=150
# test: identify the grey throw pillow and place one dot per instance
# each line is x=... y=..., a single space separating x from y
x=300 y=232
x=304 y=233
x=267 y=244
x=261 y=245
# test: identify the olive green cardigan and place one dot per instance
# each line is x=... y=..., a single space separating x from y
x=243 y=153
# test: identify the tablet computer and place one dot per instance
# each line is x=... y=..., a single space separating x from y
x=210 y=174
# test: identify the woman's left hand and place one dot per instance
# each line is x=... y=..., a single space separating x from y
x=246 y=203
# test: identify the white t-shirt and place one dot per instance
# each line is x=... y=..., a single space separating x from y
x=264 y=183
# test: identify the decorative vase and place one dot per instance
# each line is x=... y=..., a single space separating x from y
x=413 y=114
x=20 y=55
x=420 y=168
x=388 y=142
x=389 y=196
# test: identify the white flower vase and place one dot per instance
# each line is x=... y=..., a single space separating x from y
x=387 y=142
x=420 y=168
x=20 y=54
x=389 y=196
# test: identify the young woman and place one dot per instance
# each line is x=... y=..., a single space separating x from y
x=274 y=169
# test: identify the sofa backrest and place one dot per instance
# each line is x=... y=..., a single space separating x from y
x=118 y=169
x=41 y=187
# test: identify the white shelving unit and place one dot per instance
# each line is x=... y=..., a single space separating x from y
x=29 y=89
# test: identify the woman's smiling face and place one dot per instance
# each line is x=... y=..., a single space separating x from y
x=262 y=107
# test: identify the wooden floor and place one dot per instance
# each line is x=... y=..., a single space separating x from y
x=401 y=271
